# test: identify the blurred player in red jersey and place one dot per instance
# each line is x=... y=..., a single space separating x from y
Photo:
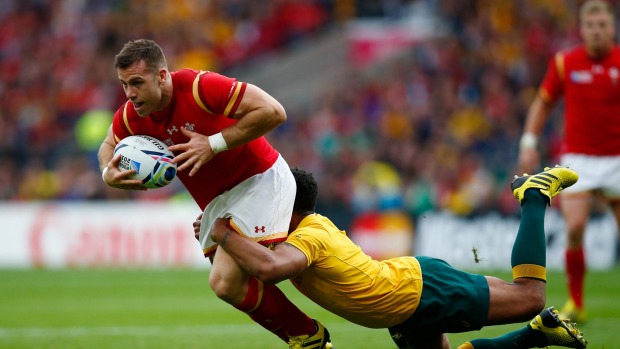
x=589 y=78
x=215 y=126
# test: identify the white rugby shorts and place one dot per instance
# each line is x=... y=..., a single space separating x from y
x=259 y=207
x=595 y=172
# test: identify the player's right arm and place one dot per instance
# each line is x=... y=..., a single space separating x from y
x=538 y=113
x=271 y=266
x=111 y=174
x=256 y=113
x=550 y=90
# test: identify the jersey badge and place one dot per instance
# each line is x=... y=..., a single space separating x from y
x=598 y=69
x=189 y=127
x=614 y=74
x=172 y=130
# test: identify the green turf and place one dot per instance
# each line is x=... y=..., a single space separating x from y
x=176 y=309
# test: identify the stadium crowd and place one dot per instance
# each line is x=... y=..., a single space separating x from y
x=447 y=115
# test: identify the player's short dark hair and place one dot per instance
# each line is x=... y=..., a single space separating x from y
x=142 y=49
x=307 y=191
x=595 y=6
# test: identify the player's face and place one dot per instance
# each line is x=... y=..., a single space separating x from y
x=142 y=88
x=597 y=31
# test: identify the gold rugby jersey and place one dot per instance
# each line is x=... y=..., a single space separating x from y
x=344 y=280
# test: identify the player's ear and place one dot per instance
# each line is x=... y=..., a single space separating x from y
x=163 y=74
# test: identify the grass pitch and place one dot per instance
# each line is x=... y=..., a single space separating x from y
x=136 y=309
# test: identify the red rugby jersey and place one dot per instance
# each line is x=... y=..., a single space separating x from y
x=202 y=102
x=591 y=90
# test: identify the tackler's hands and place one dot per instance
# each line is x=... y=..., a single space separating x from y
x=195 y=153
x=197 y=227
x=220 y=228
x=115 y=177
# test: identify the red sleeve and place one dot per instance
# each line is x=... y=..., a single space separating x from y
x=552 y=85
x=220 y=94
x=120 y=124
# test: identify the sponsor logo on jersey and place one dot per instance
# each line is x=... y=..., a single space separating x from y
x=581 y=77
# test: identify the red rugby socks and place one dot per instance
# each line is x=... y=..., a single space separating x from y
x=269 y=307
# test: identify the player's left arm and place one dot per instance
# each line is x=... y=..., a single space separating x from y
x=283 y=262
x=257 y=113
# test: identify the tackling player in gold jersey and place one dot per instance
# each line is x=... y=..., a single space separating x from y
x=419 y=299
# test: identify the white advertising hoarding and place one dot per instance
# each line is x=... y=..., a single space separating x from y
x=453 y=238
x=139 y=234
x=106 y=234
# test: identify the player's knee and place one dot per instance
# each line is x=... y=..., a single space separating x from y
x=226 y=289
x=533 y=297
x=537 y=303
x=534 y=303
x=227 y=280
x=576 y=228
x=574 y=240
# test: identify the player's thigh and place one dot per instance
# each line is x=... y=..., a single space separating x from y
x=576 y=209
x=259 y=208
x=226 y=277
x=452 y=301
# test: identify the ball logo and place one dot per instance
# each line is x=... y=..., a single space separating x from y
x=149 y=157
x=164 y=172
x=127 y=164
x=154 y=141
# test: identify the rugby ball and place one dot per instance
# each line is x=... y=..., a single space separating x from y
x=150 y=158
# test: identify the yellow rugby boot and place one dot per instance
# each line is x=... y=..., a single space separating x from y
x=560 y=332
x=319 y=340
x=550 y=182
x=571 y=311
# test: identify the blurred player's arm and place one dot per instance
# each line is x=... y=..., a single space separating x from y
x=538 y=113
x=257 y=114
x=108 y=164
x=283 y=262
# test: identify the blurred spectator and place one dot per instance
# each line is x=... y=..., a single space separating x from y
x=447 y=115
x=56 y=64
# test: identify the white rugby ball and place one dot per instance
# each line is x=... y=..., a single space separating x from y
x=150 y=158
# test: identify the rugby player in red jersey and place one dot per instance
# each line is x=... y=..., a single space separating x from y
x=215 y=126
x=588 y=77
